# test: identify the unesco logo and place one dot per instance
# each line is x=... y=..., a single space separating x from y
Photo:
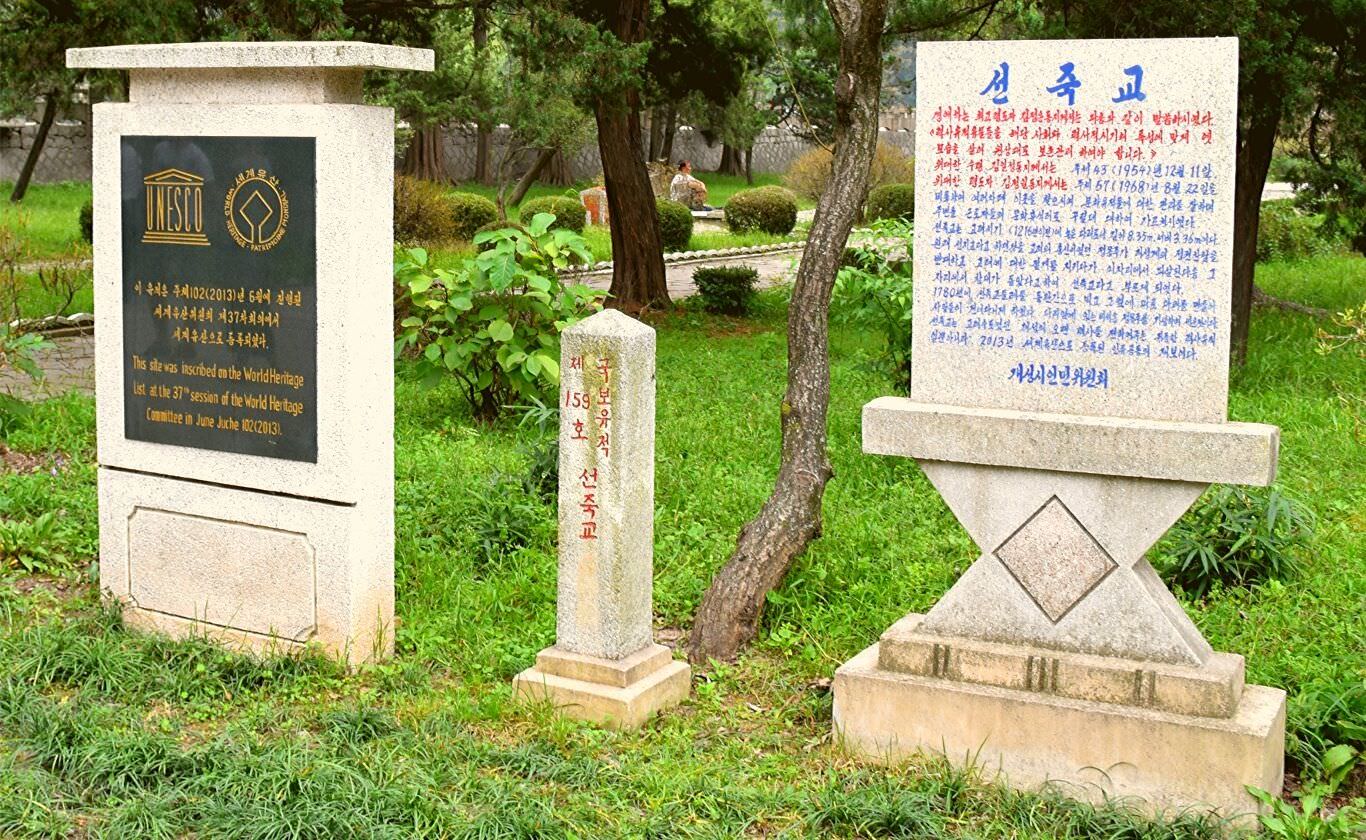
x=257 y=210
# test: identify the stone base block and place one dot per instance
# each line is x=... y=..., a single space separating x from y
x=1088 y=750
x=1209 y=690
x=253 y=570
x=621 y=694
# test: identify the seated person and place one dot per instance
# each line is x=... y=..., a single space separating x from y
x=687 y=190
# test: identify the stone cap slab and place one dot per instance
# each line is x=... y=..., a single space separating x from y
x=252 y=54
x=1214 y=453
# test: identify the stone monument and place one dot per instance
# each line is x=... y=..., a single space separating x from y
x=1073 y=253
x=244 y=376
x=605 y=666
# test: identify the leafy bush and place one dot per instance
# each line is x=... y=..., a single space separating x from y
x=675 y=225
x=1323 y=715
x=86 y=220
x=469 y=213
x=873 y=291
x=568 y=212
x=1283 y=233
x=891 y=201
x=767 y=209
x=421 y=212
x=505 y=518
x=497 y=224
x=726 y=290
x=494 y=323
x=808 y=174
x=1235 y=537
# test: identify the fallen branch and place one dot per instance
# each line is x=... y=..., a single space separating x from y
x=1261 y=298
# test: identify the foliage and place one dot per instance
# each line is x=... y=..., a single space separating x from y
x=28 y=545
x=488 y=243
x=873 y=292
x=1283 y=233
x=86 y=221
x=766 y=209
x=1347 y=330
x=421 y=212
x=568 y=212
x=726 y=290
x=675 y=225
x=1323 y=716
x=494 y=323
x=809 y=174
x=891 y=201
x=470 y=213
x=506 y=518
x=1236 y=536
x=1314 y=819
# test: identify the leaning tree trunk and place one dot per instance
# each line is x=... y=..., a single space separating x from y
x=1256 y=144
x=637 y=257
x=728 y=617
x=39 y=140
x=528 y=178
x=425 y=158
x=557 y=171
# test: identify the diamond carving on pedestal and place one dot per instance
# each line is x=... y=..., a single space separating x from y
x=1055 y=559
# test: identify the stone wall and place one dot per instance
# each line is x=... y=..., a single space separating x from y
x=65 y=155
x=774 y=151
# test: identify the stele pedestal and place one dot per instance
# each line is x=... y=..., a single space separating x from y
x=1068 y=401
x=244 y=370
x=605 y=666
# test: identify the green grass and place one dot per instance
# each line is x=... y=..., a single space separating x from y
x=53 y=228
x=109 y=733
x=719 y=189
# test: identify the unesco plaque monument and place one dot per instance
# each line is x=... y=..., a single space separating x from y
x=244 y=374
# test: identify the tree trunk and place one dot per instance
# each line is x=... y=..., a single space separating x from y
x=39 y=140
x=656 y=134
x=425 y=158
x=557 y=171
x=1256 y=144
x=732 y=162
x=749 y=166
x=728 y=617
x=666 y=152
x=482 y=133
x=637 y=257
x=524 y=183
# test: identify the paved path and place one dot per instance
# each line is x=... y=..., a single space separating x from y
x=774 y=267
x=67 y=362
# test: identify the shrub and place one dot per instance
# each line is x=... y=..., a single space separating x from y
x=873 y=292
x=891 y=201
x=726 y=290
x=675 y=225
x=421 y=212
x=497 y=224
x=469 y=213
x=1283 y=233
x=1235 y=537
x=494 y=323
x=808 y=174
x=86 y=220
x=568 y=212
x=767 y=209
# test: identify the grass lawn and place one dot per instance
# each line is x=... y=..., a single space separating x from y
x=53 y=227
x=105 y=732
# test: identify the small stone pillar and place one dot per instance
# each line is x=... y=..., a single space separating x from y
x=244 y=376
x=1069 y=383
x=605 y=666
x=594 y=200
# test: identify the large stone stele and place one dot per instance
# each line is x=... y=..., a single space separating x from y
x=1059 y=658
x=605 y=666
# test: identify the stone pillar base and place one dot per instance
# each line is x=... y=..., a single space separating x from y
x=621 y=694
x=1091 y=750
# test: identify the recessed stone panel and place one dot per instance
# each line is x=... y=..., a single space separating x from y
x=211 y=570
x=1055 y=559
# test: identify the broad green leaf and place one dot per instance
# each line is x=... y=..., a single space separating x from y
x=501 y=330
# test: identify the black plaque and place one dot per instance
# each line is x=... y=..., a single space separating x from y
x=220 y=311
